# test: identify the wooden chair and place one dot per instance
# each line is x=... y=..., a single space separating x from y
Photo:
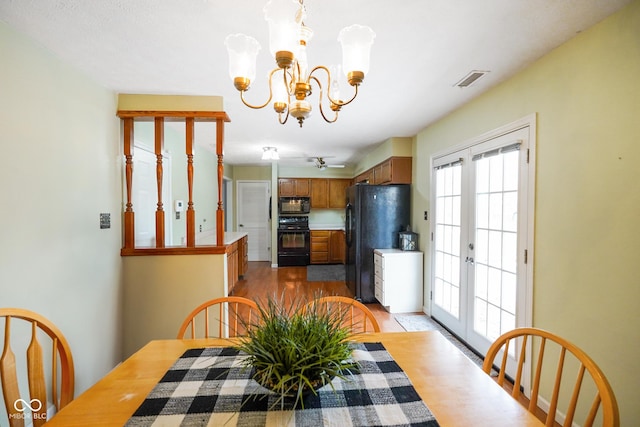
x=554 y=352
x=358 y=318
x=57 y=376
x=231 y=314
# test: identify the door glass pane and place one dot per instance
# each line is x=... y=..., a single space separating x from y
x=447 y=239
x=496 y=240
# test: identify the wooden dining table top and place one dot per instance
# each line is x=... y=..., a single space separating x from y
x=453 y=387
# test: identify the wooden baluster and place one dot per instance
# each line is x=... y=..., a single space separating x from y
x=159 y=143
x=191 y=213
x=129 y=220
x=220 y=211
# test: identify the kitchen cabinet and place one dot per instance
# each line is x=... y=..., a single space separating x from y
x=294 y=187
x=232 y=265
x=327 y=247
x=243 y=256
x=337 y=247
x=329 y=193
x=320 y=246
x=319 y=193
x=338 y=193
x=395 y=170
x=398 y=279
x=237 y=261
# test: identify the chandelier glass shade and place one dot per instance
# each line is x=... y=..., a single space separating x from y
x=290 y=83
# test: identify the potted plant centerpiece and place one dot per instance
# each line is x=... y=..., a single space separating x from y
x=294 y=349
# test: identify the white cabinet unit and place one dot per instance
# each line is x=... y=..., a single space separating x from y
x=398 y=279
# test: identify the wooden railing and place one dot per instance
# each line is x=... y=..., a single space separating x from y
x=159 y=117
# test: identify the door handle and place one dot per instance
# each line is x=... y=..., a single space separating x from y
x=240 y=225
x=469 y=260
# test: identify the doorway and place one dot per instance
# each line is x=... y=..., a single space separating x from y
x=482 y=257
x=253 y=204
x=145 y=197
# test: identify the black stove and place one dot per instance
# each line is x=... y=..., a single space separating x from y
x=293 y=223
x=294 y=241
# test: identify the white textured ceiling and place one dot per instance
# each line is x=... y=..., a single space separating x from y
x=422 y=48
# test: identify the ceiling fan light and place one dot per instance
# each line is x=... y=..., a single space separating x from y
x=284 y=27
x=243 y=52
x=270 y=153
x=356 y=42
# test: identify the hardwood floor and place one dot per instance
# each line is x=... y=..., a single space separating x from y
x=262 y=281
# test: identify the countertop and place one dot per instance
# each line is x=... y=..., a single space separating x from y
x=326 y=227
x=208 y=237
x=395 y=251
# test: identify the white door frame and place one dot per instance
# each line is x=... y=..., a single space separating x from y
x=526 y=220
x=167 y=200
x=253 y=252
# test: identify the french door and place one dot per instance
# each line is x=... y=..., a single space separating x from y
x=482 y=237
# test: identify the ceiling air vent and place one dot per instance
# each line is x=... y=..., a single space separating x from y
x=470 y=78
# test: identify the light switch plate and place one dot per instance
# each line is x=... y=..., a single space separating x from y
x=105 y=220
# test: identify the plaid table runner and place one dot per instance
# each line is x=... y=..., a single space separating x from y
x=210 y=387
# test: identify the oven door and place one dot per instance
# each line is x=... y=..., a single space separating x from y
x=293 y=247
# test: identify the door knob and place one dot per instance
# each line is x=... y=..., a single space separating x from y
x=469 y=260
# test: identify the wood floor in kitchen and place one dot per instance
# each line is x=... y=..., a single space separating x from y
x=262 y=281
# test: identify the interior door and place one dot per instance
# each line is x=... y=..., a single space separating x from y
x=480 y=284
x=253 y=217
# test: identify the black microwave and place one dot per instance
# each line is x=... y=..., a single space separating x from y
x=294 y=205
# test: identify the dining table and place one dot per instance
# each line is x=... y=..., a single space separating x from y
x=453 y=388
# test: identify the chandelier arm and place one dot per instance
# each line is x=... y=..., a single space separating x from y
x=257 y=107
x=334 y=101
x=286 y=117
x=320 y=102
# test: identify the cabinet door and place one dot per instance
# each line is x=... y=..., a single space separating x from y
x=302 y=187
x=286 y=187
x=337 y=247
x=338 y=193
x=294 y=187
x=319 y=193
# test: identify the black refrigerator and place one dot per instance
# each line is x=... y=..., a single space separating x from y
x=374 y=216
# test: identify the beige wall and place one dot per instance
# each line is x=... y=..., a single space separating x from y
x=61 y=168
x=392 y=147
x=587 y=99
x=160 y=291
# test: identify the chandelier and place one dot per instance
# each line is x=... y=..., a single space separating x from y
x=290 y=81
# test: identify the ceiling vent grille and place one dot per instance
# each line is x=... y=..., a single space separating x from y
x=470 y=78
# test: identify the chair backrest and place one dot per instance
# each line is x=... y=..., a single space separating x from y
x=358 y=318
x=57 y=375
x=229 y=316
x=561 y=357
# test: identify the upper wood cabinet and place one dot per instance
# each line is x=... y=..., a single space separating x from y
x=395 y=170
x=294 y=187
x=319 y=193
x=329 y=193
x=338 y=193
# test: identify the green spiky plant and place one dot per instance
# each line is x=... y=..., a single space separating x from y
x=295 y=349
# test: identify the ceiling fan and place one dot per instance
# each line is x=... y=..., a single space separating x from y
x=322 y=165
